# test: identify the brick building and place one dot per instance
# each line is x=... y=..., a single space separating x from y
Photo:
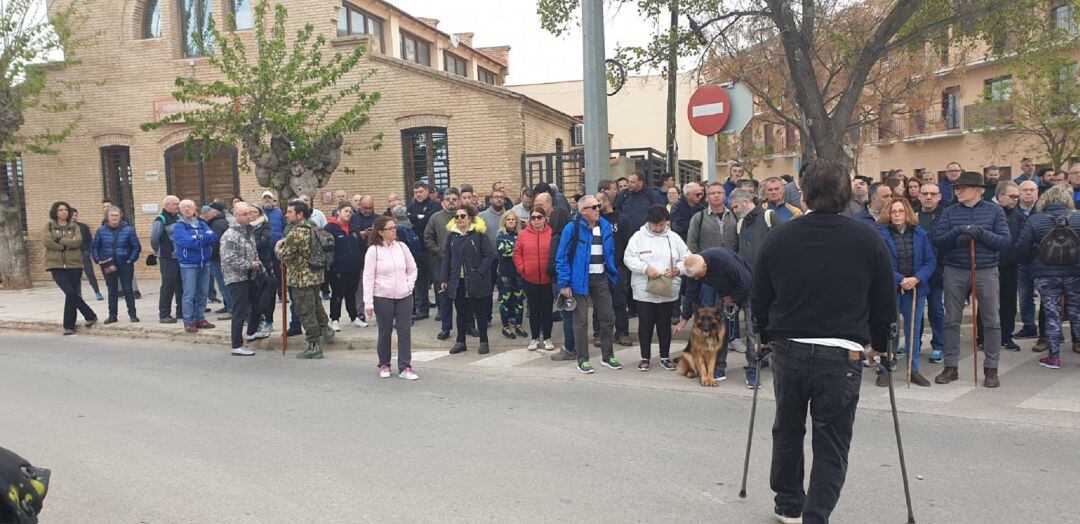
x=444 y=115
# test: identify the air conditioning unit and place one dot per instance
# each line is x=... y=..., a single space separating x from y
x=579 y=135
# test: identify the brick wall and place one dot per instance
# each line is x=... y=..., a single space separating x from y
x=488 y=127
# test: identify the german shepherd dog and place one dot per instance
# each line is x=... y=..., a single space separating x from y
x=707 y=339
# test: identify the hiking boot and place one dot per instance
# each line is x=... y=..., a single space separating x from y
x=947 y=375
x=1050 y=363
x=314 y=352
x=612 y=363
x=936 y=356
x=484 y=349
x=520 y=331
x=643 y=365
x=1027 y=332
x=458 y=348
x=167 y=319
x=1010 y=345
x=585 y=368
x=190 y=328
x=883 y=379
x=202 y=324
x=564 y=355
x=508 y=332
x=1040 y=345
x=305 y=352
x=443 y=335
x=919 y=380
x=534 y=344
x=110 y=320
x=667 y=364
x=990 y=378
x=624 y=340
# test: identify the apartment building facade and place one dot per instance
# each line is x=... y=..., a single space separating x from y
x=445 y=117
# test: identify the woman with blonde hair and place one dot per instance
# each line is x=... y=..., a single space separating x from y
x=511 y=288
x=913 y=265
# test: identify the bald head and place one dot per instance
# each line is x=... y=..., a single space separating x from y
x=695 y=266
x=242 y=213
x=543 y=201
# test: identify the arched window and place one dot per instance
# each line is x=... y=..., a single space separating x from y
x=151 y=21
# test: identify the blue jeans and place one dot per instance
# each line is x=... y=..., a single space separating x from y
x=935 y=312
x=903 y=302
x=1051 y=289
x=196 y=284
x=219 y=278
x=1025 y=284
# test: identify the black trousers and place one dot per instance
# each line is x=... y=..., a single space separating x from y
x=88 y=268
x=826 y=380
x=652 y=315
x=171 y=288
x=343 y=286
x=121 y=280
x=263 y=303
x=540 y=297
x=241 y=293
x=471 y=312
x=70 y=281
x=1007 y=276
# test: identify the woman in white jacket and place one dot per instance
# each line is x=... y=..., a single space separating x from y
x=389 y=276
x=655 y=253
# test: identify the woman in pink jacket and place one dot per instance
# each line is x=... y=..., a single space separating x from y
x=389 y=276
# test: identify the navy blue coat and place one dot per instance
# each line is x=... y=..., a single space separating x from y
x=120 y=244
x=1033 y=231
x=634 y=205
x=924 y=262
x=420 y=213
x=349 y=248
x=995 y=236
x=681 y=213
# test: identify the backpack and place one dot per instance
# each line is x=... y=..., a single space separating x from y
x=768 y=222
x=1061 y=245
x=409 y=238
x=322 y=250
x=554 y=250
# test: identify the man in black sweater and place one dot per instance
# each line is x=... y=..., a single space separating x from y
x=823 y=289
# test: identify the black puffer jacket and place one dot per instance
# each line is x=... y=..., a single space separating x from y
x=219 y=225
x=264 y=242
x=349 y=248
x=472 y=255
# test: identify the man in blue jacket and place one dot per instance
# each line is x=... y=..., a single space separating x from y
x=971 y=221
x=194 y=240
x=116 y=242
x=585 y=264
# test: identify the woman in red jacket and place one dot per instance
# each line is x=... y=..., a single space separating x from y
x=531 y=261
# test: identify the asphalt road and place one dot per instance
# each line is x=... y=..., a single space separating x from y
x=142 y=433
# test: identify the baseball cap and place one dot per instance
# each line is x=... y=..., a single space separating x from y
x=218 y=206
x=267 y=194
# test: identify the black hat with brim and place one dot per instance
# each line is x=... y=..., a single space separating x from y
x=970 y=178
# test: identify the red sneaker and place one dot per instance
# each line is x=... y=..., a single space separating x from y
x=190 y=328
x=1051 y=363
x=202 y=324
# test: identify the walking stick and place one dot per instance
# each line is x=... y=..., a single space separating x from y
x=753 y=413
x=890 y=364
x=284 y=313
x=911 y=337
x=974 y=318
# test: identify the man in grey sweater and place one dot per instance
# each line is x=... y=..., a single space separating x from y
x=493 y=214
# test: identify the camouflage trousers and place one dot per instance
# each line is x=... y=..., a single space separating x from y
x=310 y=310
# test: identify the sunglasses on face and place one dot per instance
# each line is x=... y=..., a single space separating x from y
x=592 y=207
x=461 y=216
x=537 y=217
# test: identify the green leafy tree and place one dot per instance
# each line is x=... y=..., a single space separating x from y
x=1041 y=107
x=284 y=105
x=33 y=45
x=842 y=66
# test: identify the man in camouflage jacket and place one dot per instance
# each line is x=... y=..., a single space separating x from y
x=294 y=252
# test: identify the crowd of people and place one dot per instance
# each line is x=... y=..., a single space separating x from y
x=627 y=251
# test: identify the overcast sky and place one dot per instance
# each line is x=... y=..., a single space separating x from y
x=535 y=55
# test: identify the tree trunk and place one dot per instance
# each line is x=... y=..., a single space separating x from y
x=14 y=265
x=293 y=177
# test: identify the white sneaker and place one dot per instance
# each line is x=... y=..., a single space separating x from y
x=359 y=322
x=242 y=351
x=737 y=345
x=534 y=344
x=384 y=371
x=408 y=374
x=548 y=345
x=334 y=325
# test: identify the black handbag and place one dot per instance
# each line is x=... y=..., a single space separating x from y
x=151 y=259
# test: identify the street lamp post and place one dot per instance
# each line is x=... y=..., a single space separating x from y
x=595 y=83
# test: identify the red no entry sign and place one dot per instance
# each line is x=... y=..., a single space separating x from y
x=709 y=110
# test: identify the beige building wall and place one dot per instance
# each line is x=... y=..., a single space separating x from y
x=488 y=127
x=637 y=114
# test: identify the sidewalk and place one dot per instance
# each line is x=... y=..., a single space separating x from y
x=41 y=309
